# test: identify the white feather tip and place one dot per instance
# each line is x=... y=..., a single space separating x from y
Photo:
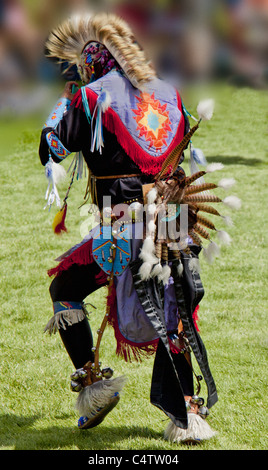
x=233 y=202
x=152 y=195
x=214 y=167
x=205 y=109
x=194 y=265
x=224 y=237
x=226 y=183
x=104 y=101
x=198 y=430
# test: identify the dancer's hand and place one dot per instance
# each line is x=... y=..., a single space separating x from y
x=67 y=92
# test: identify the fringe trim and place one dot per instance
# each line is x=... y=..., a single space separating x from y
x=81 y=256
x=63 y=319
x=196 y=318
x=129 y=350
x=125 y=348
x=147 y=163
x=198 y=430
x=94 y=397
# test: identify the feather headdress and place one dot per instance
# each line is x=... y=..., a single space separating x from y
x=67 y=41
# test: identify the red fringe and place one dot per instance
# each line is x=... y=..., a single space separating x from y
x=81 y=256
x=196 y=318
x=125 y=348
x=148 y=164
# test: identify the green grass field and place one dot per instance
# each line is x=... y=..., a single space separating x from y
x=37 y=407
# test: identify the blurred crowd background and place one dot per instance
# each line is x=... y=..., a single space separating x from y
x=189 y=41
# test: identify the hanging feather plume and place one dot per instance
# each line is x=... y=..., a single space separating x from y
x=145 y=270
x=147 y=254
x=194 y=265
x=157 y=270
x=152 y=195
x=226 y=183
x=196 y=157
x=211 y=252
x=165 y=274
x=214 y=167
x=228 y=221
x=233 y=202
x=180 y=269
x=208 y=255
x=58 y=224
x=205 y=109
x=55 y=173
x=224 y=237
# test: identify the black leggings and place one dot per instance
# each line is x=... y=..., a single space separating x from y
x=76 y=284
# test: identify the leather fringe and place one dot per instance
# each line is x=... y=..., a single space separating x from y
x=63 y=319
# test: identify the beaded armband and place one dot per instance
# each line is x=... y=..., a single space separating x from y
x=54 y=118
x=56 y=146
x=56 y=115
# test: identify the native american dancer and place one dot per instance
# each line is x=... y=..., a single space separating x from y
x=131 y=129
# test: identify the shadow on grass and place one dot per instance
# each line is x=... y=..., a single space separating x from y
x=21 y=433
x=235 y=160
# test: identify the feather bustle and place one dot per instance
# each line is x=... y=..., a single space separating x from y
x=199 y=188
x=201 y=198
x=191 y=179
x=208 y=209
x=204 y=221
x=201 y=231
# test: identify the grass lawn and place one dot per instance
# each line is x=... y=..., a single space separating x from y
x=37 y=408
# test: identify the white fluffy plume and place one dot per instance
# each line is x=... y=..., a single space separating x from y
x=165 y=274
x=98 y=395
x=226 y=183
x=145 y=270
x=211 y=252
x=233 y=202
x=224 y=237
x=151 y=209
x=214 y=167
x=157 y=270
x=228 y=221
x=194 y=265
x=205 y=109
x=198 y=430
x=152 y=195
x=180 y=269
x=58 y=172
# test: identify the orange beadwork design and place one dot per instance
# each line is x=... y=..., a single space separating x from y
x=152 y=119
